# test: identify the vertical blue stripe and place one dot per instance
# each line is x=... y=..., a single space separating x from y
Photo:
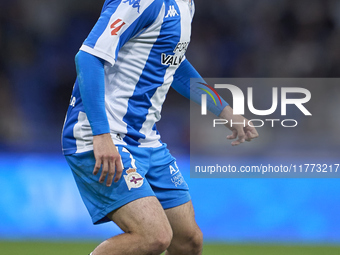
x=152 y=76
x=102 y=23
x=147 y=18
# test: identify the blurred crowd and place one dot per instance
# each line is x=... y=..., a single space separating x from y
x=243 y=38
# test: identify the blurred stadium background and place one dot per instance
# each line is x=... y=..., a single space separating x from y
x=244 y=38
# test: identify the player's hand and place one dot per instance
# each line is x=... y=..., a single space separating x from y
x=241 y=132
x=107 y=157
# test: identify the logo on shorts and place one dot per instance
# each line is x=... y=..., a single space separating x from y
x=176 y=176
x=133 y=179
x=174 y=170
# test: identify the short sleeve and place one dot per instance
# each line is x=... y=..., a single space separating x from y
x=119 y=22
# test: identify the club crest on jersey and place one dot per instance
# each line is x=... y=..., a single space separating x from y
x=133 y=3
x=133 y=179
x=177 y=58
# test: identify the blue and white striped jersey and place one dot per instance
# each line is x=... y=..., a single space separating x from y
x=143 y=43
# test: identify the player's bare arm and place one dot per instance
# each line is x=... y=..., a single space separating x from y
x=108 y=158
x=240 y=132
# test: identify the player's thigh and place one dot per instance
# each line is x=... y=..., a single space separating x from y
x=100 y=199
x=166 y=179
x=143 y=216
x=183 y=223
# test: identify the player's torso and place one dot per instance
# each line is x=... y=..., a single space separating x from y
x=155 y=50
x=137 y=84
x=143 y=72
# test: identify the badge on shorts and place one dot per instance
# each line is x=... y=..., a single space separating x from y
x=133 y=179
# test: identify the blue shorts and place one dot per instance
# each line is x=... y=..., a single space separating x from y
x=147 y=172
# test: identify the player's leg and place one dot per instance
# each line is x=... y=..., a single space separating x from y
x=187 y=237
x=172 y=191
x=147 y=230
x=130 y=202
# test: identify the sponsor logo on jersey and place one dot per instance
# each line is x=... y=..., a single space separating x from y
x=116 y=26
x=133 y=179
x=133 y=3
x=172 y=60
x=177 y=58
x=171 y=12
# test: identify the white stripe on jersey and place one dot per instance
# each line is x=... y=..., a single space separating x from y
x=83 y=134
x=157 y=100
x=125 y=87
x=152 y=138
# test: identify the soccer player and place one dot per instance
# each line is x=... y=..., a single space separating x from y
x=123 y=171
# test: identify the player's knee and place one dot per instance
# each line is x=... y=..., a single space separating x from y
x=159 y=241
x=190 y=244
x=195 y=242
